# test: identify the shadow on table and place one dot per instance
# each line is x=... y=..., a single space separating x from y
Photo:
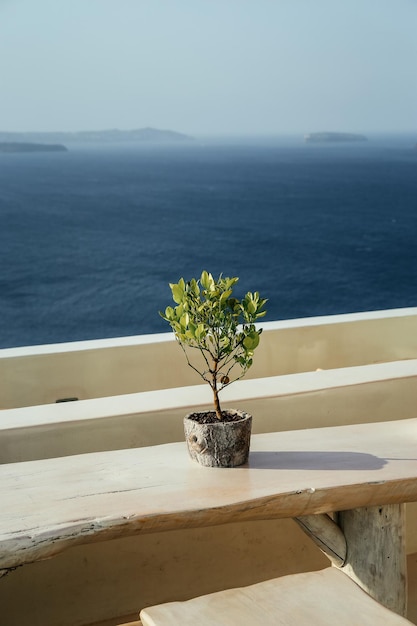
x=305 y=460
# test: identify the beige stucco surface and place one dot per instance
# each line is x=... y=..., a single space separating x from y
x=93 y=369
x=368 y=371
x=378 y=392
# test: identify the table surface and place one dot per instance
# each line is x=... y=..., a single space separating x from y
x=50 y=505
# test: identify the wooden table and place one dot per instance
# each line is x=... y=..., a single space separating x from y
x=365 y=472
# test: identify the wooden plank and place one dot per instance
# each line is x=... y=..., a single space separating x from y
x=50 y=505
x=376 y=553
x=326 y=597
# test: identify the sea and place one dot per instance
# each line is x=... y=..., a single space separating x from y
x=91 y=238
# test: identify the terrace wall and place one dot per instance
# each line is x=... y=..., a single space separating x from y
x=94 y=369
x=366 y=371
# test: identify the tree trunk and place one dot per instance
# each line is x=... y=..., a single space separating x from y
x=376 y=560
x=216 y=392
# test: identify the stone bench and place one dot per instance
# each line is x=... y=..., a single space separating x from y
x=323 y=598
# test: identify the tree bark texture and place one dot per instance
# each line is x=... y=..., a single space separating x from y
x=223 y=444
x=326 y=534
x=376 y=557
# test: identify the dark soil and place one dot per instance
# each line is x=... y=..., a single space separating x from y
x=209 y=417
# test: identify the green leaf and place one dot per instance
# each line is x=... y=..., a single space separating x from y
x=207 y=316
x=251 y=341
x=194 y=287
x=177 y=292
x=179 y=310
x=225 y=295
x=200 y=331
x=184 y=320
x=251 y=306
x=169 y=313
x=204 y=280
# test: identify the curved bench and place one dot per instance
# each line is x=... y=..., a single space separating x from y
x=323 y=598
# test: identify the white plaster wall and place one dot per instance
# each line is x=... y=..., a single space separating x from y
x=94 y=369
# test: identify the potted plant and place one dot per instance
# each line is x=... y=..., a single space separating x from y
x=218 y=335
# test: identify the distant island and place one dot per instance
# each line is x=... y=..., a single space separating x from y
x=97 y=136
x=31 y=147
x=333 y=137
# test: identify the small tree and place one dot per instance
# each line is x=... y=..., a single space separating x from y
x=222 y=328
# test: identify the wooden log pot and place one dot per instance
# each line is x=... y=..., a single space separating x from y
x=221 y=444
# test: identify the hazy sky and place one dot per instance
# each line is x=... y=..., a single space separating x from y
x=209 y=66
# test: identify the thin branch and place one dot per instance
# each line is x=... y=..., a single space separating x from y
x=202 y=374
x=233 y=380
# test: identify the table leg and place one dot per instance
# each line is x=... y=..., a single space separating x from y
x=376 y=556
x=326 y=534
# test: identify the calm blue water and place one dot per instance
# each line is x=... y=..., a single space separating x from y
x=89 y=239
